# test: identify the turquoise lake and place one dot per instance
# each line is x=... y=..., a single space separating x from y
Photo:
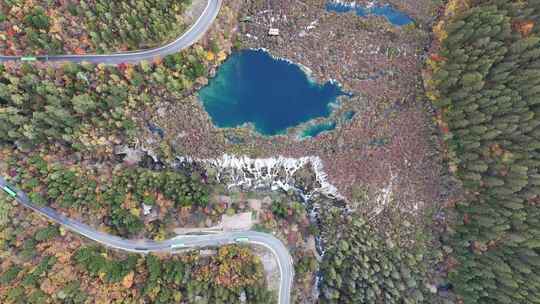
x=349 y=115
x=272 y=94
x=317 y=129
x=390 y=13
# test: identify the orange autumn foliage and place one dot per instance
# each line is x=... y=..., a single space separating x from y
x=524 y=27
x=229 y=268
x=437 y=57
x=79 y=51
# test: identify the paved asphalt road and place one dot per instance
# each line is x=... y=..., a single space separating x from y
x=194 y=33
x=180 y=242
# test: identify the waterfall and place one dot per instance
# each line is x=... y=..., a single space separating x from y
x=275 y=172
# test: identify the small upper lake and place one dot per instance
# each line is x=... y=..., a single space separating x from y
x=390 y=13
x=272 y=94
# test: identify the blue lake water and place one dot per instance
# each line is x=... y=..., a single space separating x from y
x=392 y=15
x=253 y=87
x=155 y=129
x=317 y=129
x=349 y=115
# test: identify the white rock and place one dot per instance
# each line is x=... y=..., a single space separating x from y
x=146 y=209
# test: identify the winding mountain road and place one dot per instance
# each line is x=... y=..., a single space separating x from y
x=194 y=33
x=181 y=242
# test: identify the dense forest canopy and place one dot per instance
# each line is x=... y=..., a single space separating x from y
x=361 y=266
x=486 y=84
x=90 y=26
x=87 y=106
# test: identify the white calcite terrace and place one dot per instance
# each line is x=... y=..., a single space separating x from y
x=276 y=172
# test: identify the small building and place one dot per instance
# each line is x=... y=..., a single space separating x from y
x=273 y=32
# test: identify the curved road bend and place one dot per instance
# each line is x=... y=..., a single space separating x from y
x=194 y=33
x=144 y=246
